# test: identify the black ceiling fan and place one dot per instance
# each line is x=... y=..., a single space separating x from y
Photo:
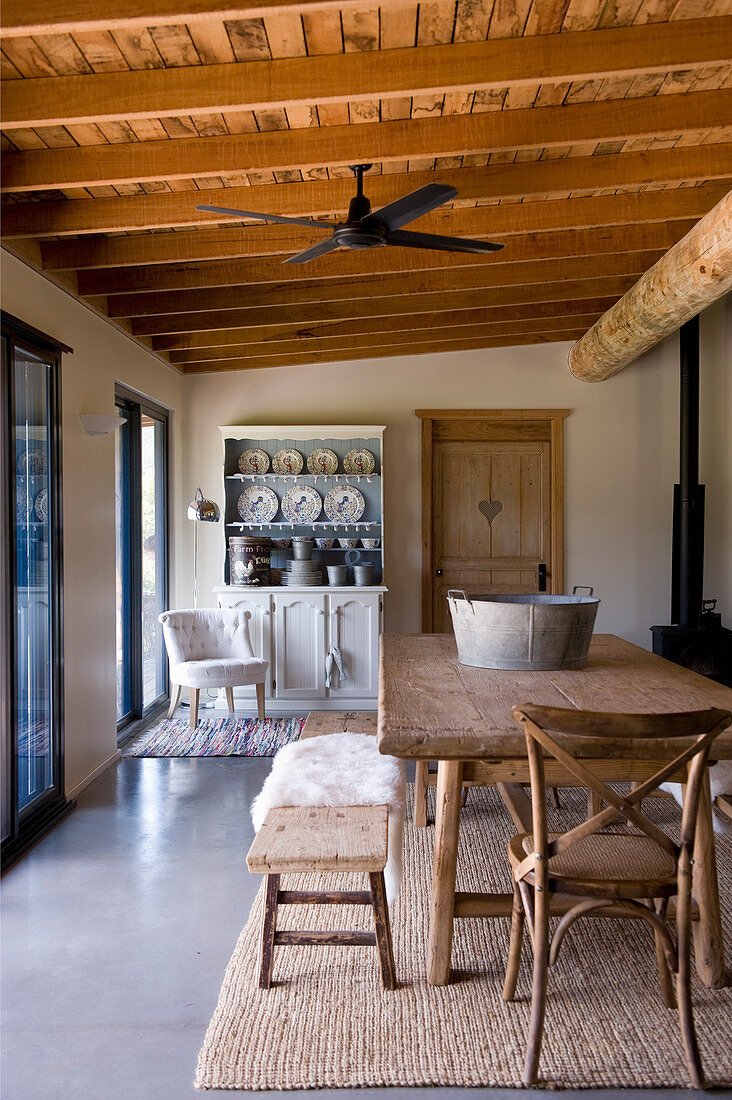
x=364 y=229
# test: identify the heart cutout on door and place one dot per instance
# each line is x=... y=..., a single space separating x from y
x=490 y=509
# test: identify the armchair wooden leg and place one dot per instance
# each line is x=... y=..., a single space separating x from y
x=260 y=700
x=683 y=984
x=664 y=974
x=194 y=707
x=230 y=699
x=174 y=697
x=514 y=947
x=421 y=773
x=538 y=991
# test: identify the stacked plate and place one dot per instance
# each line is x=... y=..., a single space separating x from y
x=306 y=573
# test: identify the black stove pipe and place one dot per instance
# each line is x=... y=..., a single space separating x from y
x=690 y=565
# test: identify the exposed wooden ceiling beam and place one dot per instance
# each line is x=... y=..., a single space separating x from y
x=444 y=301
x=691 y=276
x=394 y=350
x=364 y=75
x=497 y=222
x=377 y=142
x=68 y=16
x=174 y=209
x=534 y=247
x=312 y=329
x=443 y=330
x=339 y=290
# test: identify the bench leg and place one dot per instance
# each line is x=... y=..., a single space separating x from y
x=421 y=773
x=382 y=928
x=269 y=925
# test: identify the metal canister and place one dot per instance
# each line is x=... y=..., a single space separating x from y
x=249 y=560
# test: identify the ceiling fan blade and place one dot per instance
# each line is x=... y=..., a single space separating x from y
x=440 y=244
x=309 y=222
x=312 y=253
x=414 y=205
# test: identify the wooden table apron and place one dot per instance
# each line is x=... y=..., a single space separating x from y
x=433 y=708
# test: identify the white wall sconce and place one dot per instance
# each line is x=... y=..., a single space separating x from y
x=97 y=424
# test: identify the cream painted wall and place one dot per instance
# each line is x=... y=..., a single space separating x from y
x=102 y=356
x=620 y=458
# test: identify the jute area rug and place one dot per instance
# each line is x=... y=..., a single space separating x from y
x=217 y=737
x=327 y=1023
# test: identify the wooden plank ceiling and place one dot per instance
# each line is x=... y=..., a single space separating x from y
x=587 y=136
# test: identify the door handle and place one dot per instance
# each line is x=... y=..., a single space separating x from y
x=542 y=577
x=438 y=572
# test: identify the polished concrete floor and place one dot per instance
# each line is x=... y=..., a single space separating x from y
x=116 y=930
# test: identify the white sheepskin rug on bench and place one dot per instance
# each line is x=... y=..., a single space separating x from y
x=339 y=769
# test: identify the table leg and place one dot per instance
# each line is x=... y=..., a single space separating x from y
x=421 y=775
x=708 y=942
x=444 y=869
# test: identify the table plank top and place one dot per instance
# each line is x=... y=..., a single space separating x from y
x=433 y=708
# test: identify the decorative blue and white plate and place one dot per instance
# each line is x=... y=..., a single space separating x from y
x=344 y=504
x=40 y=506
x=323 y=461
x=287 y=461
x=32 y=462
x=359 y=461
x=254 y=461
x=301 y=504
x=258 y=504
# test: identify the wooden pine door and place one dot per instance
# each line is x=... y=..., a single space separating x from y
x=493 y=505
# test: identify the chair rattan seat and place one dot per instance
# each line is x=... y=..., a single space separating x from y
x=620 y=857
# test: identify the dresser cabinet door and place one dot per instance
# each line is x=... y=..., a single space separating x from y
x=353 y=626
x=259 y=605
x=299 y=632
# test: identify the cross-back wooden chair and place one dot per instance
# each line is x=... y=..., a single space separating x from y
x=631 y=874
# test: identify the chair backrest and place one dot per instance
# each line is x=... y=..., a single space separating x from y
x=641 y=736
x=206 y=634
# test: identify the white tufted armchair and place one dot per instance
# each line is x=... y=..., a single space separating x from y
x=210 y=648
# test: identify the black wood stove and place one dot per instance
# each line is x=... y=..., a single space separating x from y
x=697 y=640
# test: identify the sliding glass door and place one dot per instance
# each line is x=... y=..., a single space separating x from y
x=142 y=570
x=31 y=666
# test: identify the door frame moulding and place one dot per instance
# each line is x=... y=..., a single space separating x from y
x=554 y=419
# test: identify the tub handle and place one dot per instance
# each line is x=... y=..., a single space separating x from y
x=577 y=587
x=458 y=593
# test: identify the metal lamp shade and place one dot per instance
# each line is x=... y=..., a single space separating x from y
x=202 y=510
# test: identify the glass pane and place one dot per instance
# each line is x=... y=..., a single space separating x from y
x=124 y=685
x=33 y=504
x=153 y=558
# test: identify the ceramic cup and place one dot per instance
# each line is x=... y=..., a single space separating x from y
x=280 y=544
x=363 y=574
x=337 y=574
x=324 y=544
x=370 y=544
x=348 y=544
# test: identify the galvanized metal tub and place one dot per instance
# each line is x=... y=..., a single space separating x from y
x=533 y=632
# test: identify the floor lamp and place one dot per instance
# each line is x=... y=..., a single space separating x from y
x=200 y=510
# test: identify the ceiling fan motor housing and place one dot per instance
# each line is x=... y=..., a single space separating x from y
x=360 y=236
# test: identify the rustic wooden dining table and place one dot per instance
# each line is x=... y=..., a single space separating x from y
x=433 y=708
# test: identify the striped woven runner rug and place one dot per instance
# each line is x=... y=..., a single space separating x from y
x=217 y=737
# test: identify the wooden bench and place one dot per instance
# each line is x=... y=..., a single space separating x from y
x=337 y=721
x=297 y=839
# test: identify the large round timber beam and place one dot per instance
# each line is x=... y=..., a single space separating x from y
x=688 y=278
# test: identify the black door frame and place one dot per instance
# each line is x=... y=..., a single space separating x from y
x=135 y=406
x=28 y=825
